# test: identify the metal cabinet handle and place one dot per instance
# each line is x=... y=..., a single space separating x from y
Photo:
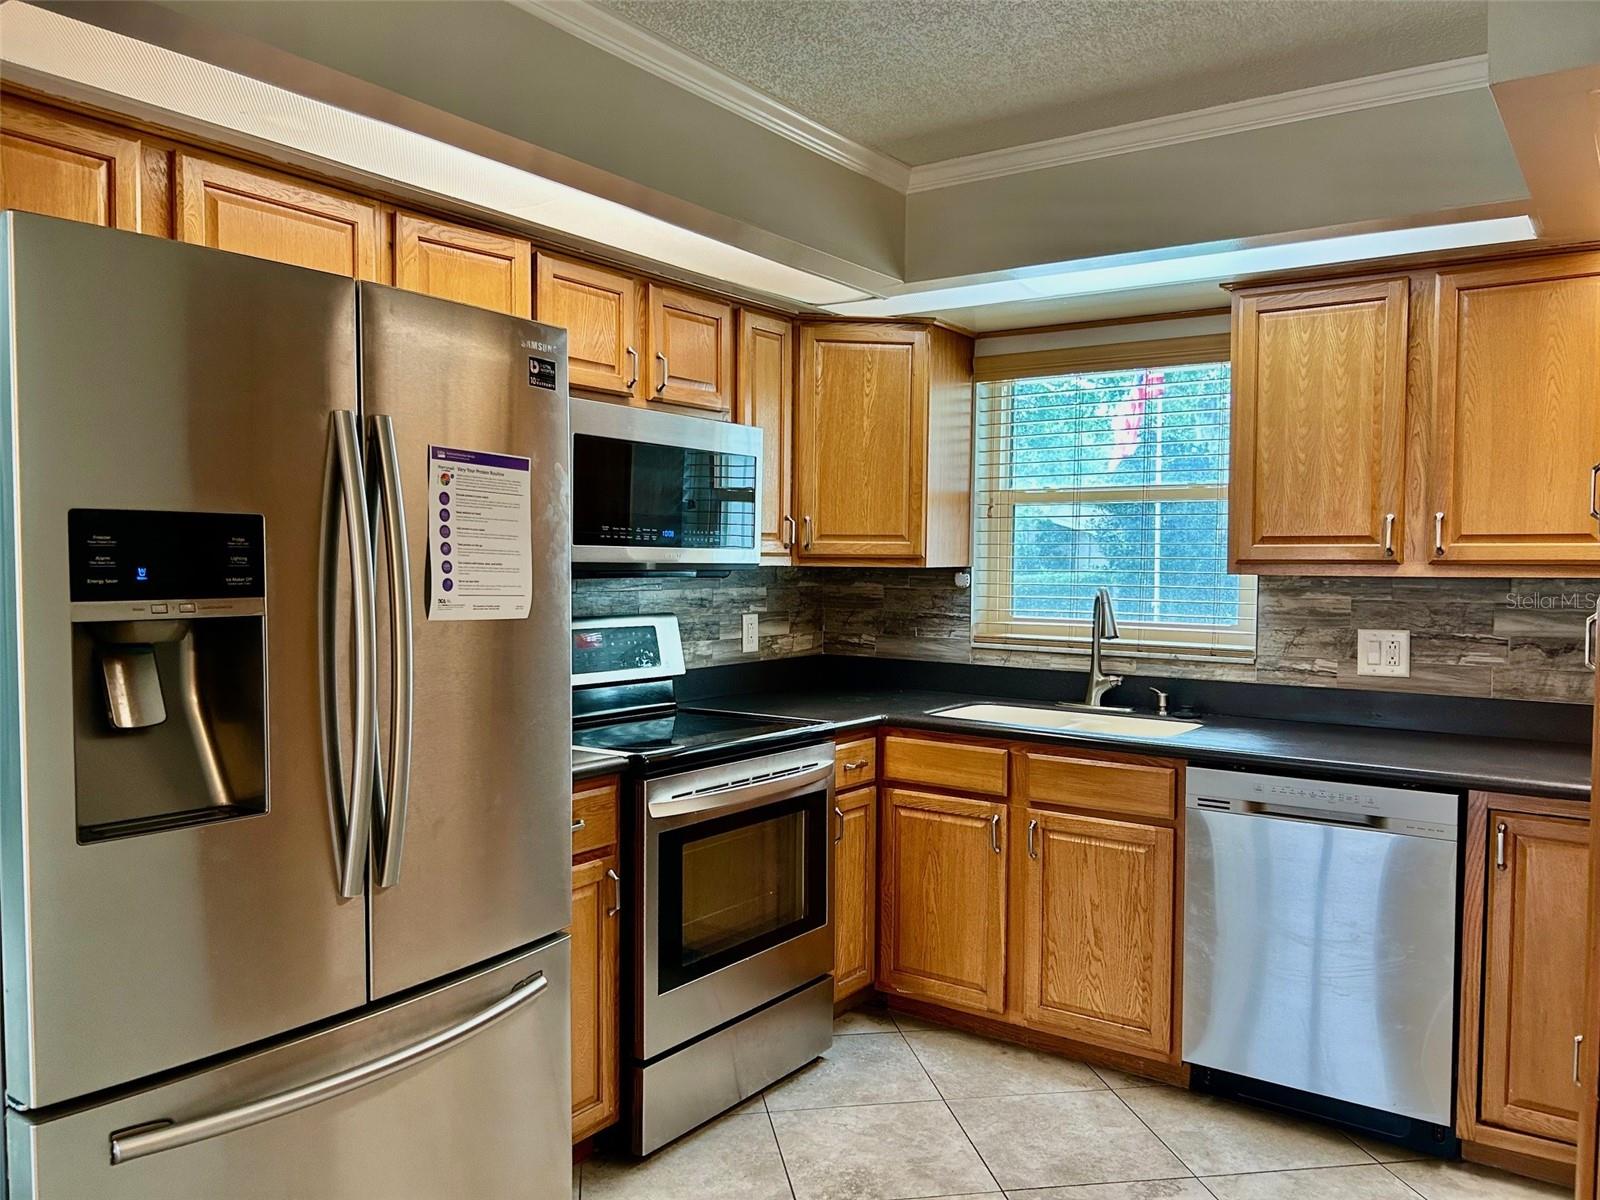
x=805 y=543
x=1033 y=827
x=352 y=810
x=616 y=893
x=1594 y=491
x=994 y=832
x=1577 y=1060
x=1388 y=535
x=662 y=386
x=1500 y=846
x=788 y=538
x=633 y=360
x=838 y=829
x=1589 y=623
x=154 y=1137
x=578 y=823
x=392 y=794
x=1438 y=535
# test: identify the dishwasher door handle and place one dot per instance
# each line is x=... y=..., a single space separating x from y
x=1314 y=816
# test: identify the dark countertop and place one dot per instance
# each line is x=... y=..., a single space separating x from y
x=586 y=764
x=1440 y=760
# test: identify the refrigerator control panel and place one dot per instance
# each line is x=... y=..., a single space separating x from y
x=128 y=554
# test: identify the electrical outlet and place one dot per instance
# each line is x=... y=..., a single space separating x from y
x=752 y=632
x=1383 y=652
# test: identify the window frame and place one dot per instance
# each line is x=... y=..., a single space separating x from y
x=995 y=624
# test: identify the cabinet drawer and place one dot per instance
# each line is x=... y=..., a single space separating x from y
x=1134 y=789
x=946 y=764
x=595 y=805
x=855 y=763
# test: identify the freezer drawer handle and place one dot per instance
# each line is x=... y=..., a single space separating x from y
x=352 y=812
x=141 y=1141
x=387 y=492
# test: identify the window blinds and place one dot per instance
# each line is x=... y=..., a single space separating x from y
x=1117 y=479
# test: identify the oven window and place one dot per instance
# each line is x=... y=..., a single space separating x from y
x=641 y=494
x=737 y=885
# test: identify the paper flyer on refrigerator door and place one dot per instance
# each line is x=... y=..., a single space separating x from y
x=480 y=535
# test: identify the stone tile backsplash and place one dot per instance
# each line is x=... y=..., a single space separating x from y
x=1508 y=639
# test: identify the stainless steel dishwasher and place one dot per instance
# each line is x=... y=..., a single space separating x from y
x=1320 y=944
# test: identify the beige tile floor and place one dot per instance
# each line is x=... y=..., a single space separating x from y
x=901 y=1109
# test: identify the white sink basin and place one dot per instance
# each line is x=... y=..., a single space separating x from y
x=1075 y=720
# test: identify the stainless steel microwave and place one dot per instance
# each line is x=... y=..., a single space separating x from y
x=653 y=490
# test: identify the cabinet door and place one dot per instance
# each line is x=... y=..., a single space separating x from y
x=855 y=890
x=1319 y=384
x=1516 y=408
x=595 y=901
x=64 y=166
x=1534 y=948
x=249 y=210
x=1097 y=943
x=691 y=350
x=599 y=309
x=942 y=900
x=471 y=266
x=766 y=400
x=861 y=442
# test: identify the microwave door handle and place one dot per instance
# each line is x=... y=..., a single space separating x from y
x=154 y=1137
x=344 y=488
x=402 y=649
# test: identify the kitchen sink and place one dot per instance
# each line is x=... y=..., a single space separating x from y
x=1072 y=720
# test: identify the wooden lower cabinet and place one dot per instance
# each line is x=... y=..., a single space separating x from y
x=1525 y=929
x=942 y=899
x=855 y=890
x=1097 y=936
x=596 y=969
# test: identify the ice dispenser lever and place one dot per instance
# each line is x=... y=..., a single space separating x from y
x=133 y=686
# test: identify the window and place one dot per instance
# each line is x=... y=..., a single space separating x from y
x=1111 y=478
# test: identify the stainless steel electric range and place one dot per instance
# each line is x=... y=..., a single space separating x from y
x=728 y=853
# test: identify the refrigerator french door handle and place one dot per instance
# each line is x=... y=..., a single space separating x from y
x=154 y=1137
x=344 y=488
x=402 y=650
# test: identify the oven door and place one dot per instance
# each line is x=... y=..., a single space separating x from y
x=735 y=887
x=651 y=488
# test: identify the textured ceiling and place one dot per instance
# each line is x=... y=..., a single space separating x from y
x=925 y=80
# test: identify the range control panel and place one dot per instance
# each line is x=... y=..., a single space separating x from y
x=130 y=554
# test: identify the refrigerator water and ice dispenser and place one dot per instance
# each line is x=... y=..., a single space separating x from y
x=168 y=669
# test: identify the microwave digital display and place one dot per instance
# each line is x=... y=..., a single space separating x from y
x=644 y=494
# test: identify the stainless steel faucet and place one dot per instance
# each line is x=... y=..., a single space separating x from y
x=1102 y=625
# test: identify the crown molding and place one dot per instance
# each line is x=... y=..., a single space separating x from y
x=627 y=41
x=1351 y=95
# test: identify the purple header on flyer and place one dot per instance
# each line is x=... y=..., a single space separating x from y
x=478 y=458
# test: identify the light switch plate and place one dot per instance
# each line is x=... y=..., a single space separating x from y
x=1383 y=652
x=752 y=632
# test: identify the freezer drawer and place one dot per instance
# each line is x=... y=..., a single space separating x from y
x=487 y=1115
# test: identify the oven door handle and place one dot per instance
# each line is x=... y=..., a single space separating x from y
x=736 y=797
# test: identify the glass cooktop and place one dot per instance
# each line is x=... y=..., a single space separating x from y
x=682 y=730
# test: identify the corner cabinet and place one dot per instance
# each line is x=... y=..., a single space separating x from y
x=1516 y=413
x=1319 y=384
x=1524 y=934
x=882 y=439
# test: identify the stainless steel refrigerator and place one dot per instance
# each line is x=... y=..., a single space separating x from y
x=284 y=765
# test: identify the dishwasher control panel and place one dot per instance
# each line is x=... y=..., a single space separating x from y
x=1390 y=809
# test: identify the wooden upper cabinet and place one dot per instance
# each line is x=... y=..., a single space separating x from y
x=855 y=890
x=63 y=165
x=599 y=309
x=1533 y=998
x=1319 y=384
x=250 y=210
x=691 y=350
x=471 y=266
x=942 y=900
x=1097 y=936
x=1516 y=408
x=766 y=401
